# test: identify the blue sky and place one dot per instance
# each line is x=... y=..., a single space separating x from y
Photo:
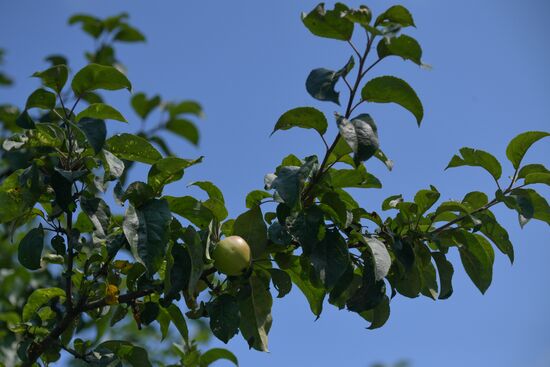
x=247 y=61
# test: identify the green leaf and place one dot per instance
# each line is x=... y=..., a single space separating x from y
x=255 y=309
x=303 y=117
x=531 y=168
x=25 y=121
x=518 y=146
x=329 y=24
x=215 y=354
x=529 y=204
x=39 y=298
x=361 y=16
x=425 y=199
x=224 y=317
x=185 y=107
x=146 y=229
x=361 y=135
x=191 y=209
x=168 y=170
x=477 y=158
x=330 y=258
x=402 y=46
x=496 y=233
x=143 y=106
x=91 y=25
x=301 y=277
x=126 y=352
x=477 y=256
x=95 y=131
x=288 y=180
x=30 y=248
x=196 y=254
x=395 y=14
x=281 y=281
x=184 y=128
x=251 y=226
x=378 y=315
x=95 y=76
x=255 y=197
x=41 y=98
x=54 y=77
x=320 y=85
x=446 y=270
x=215 y=202
x=16 y=199
x=179 y=321
x=128 y=33
x=132 y=148
x=389 y=89
x=100 y=111
x=533 y=178
x=358 y=177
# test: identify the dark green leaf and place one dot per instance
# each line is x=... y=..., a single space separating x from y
x=402 y=46
x=255 y=197
x=320 y=85
x=179 y=321
x=255 y=311
x=99 y=213
x=533 y=178
x=445 y=269
x=389 y=89
x=477 y=256
x=143 y=106
x=168 y=170
x=128 y=33
x=361 y=135
x=330 y=258
x=127 y=352
x=132 y=148
x=425 y=199
x=100 y=111
x=95 y=76
x=41 y=98
x=54 y=77
x=95 y=131
x=281 y=280
x=378 y=315
x=251 y=226
x=215 y=202
x=184 y=128
x=185 y=107
x=396 y=14
x=30 y=248
x=224 y=317
x=303 y=117
x=478 y=158
x=146 y=229
x=25 y=121
x=301 y=277
x=196 y=254
x=215 y=354
x=191 y=209
x=496 y=233
x=329 y=24
x=519 y=145
x=531 y=168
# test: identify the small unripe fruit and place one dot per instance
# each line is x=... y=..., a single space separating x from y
x=232 y=256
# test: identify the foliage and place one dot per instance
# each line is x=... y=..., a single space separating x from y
x=96 y=264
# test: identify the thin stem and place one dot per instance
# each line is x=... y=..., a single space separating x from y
x=354 y=49
x=325 y=142
x=70 y=258
x=461 y=218
x=349 y=110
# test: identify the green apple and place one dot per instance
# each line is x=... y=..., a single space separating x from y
x=232 y=256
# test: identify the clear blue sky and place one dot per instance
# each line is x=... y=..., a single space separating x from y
x=246 y=62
